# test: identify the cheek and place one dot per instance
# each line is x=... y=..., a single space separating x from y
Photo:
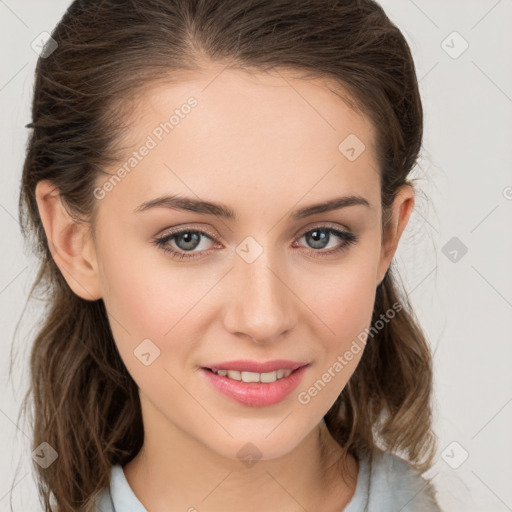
x=143 y=293
x=148 y=298
x=139 y=298
x=143 y=310
x=343 y=297
x=343 y=310
x=351 y=306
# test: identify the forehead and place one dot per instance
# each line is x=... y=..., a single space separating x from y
x=228 y=131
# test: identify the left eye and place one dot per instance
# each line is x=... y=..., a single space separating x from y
x=187 y=240
x=321 y=236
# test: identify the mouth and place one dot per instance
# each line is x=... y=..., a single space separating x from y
x=255 y=389
x=248 y=377
x=247 y=365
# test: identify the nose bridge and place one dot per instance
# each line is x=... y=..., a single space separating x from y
x=263 y=305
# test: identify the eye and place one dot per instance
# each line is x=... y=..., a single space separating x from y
x=320 y=237
x=187 y=240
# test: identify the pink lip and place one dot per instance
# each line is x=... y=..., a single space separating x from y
x=245 y=365
x=256 y=394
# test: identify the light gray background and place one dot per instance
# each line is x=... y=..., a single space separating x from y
x=464 y=181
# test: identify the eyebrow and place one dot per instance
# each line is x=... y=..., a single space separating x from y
x=221 y=210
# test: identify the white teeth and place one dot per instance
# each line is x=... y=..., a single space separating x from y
x=250 y=377
x=253 y=376
x=268 y=377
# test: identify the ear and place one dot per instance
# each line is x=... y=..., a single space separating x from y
x=70 y=242
x=399 y=217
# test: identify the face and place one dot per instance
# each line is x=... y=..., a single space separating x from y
x=187 y=290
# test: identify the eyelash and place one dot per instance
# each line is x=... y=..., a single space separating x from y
x=162 y=242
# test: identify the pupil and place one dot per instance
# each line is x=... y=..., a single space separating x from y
x=320 y=238
x=191 y=240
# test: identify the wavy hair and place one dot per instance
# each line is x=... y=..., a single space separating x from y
x=84 y=402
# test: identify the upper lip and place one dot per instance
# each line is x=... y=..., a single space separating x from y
x=245 y=365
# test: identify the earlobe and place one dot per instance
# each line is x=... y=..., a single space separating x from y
x=401 y=210
x=69 y=242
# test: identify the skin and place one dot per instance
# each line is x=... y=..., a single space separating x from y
x=264 y=145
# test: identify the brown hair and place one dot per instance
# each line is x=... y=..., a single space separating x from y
x=85 y=403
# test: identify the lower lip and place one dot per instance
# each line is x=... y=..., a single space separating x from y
x=256 y=394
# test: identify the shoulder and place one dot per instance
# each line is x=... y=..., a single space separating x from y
x=103 y=501
x=395 y=483
x=118 y=497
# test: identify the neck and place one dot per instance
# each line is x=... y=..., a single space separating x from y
x=174 y=471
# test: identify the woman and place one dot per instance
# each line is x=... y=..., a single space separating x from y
x=218 y=189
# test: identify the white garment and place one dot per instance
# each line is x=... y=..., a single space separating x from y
x=389 y=485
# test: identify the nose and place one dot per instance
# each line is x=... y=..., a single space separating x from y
x=262 y=304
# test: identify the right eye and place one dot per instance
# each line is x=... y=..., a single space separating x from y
x=186 y=241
